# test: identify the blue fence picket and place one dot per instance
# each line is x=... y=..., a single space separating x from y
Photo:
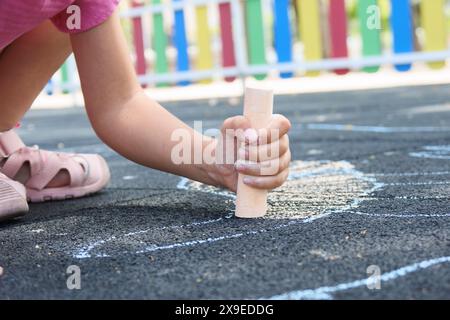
x=283 y=34
x=402 y=29
x=181 y=44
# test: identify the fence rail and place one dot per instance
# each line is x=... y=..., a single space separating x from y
x=183 y=41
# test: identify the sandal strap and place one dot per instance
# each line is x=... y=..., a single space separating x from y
x=44 y=165
x=14 y=162
x=54 y=163
x=10 y=142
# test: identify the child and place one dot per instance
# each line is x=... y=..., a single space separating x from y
x=32 y=49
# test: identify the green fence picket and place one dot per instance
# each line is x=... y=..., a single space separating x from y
x=369 y=16
x=159 y=43
x=255 y=34
x=65 y=76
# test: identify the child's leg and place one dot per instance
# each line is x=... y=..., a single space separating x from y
x=25 y=68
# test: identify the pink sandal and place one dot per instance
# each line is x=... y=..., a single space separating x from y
x=13 y=199
x=88 y=173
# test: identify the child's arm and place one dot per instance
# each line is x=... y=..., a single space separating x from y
x=121 y=114
x=129 y=121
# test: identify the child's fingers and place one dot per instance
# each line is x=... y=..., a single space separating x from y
x=265 y=168
x=237 y=122
x=259 y=153
x=239 y=127
x=267 y=182
x=278 y=126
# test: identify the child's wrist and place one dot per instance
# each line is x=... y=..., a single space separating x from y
x=208 y=165
x=206 y=174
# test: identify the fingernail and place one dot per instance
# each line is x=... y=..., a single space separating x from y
x=242 y=153
x=249 y=180
x=251 y=135
x=240 y=165
x=263 y=136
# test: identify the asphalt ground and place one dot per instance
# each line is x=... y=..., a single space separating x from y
x=368 y=195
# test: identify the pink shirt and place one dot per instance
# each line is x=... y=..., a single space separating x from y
x=20 y=16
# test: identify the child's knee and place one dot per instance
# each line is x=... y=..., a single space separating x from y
x=6 y=125
x=99 y=119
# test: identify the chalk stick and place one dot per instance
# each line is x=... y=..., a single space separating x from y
x=258 y=107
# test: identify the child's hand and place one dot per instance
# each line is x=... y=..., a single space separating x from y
x=262 y=155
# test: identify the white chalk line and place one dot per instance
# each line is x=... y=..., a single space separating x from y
x=191 y=243
x=441 y=152
x=394 y=184
x=411 y=197
x=407 y=215
x=183 y=185
x=421 y=197
x=322 y=172
x=322 y=292
x=427 y=155
x=84 y=252
x=291 y=223
x=425 y=183
x=410 y=174
x=325 y=292
x=129 y=177
x=372 y=129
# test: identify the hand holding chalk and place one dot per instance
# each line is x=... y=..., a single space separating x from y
x=258 y=107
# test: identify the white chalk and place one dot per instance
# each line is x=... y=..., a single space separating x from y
x=258 y=107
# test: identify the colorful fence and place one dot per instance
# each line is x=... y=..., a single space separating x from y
x=184 y=41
